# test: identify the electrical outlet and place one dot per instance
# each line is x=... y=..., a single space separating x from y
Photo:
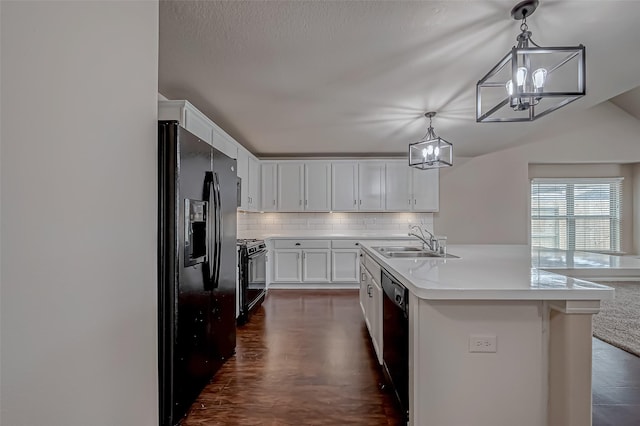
x=486 y=343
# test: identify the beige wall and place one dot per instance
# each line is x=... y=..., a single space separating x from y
x=486 y=199
x=636 y=207
x=78 y=211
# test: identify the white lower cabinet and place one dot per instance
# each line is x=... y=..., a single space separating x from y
x=345 y=265
x=302 y=261
x=364 y=296
x=287 y=266
x=316 y=265
x=316 y=261
x=371 y=301
x=376 y=317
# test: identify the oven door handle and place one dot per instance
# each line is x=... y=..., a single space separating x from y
x=257 y=253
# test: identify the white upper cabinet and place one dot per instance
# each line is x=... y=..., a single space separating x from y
x=290 y=187
x=199 y=124
x=358 y=186
x=317 y=186
x=371 y=186
x=344 y=186
x=254 y=184
x=426 y=184
x=398 y=197
x=222 y=144
x=269 y=186
x=411 y=189
x=243 y=174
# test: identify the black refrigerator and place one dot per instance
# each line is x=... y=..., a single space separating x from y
x=197 y=199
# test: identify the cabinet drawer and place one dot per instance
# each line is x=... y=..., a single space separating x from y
x=345 y=244
x=302 y=244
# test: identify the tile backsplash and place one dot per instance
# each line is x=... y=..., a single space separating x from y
x=257 y=225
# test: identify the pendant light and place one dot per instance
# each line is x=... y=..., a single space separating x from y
x=431 y=151
x=530 y=81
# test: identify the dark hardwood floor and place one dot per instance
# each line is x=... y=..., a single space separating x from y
x=616 y=386
x=305 y=358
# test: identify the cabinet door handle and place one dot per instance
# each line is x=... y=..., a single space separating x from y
x=306 y=202
x=299 y=202
x=354 y=202
x=369 y=291
x=274 y=202
x=357 y=244
x=360 y=202
x=362 y=276
x=297 y=244
x=414 y=201
x=409 y=201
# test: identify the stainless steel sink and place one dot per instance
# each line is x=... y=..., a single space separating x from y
x=398 y=249
x=410 y=252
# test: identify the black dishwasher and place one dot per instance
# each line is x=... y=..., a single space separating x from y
x=395 y=338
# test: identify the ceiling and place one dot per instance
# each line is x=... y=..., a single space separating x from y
x=355 y=77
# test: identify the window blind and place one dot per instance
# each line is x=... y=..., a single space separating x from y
x=576 y=214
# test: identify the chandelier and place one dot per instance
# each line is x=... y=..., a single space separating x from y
x=530 y=81
x=431 y=151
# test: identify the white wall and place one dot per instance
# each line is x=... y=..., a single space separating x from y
x=486 y=199
x=78 y=212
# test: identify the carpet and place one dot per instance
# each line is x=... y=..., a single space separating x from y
x=618 y=321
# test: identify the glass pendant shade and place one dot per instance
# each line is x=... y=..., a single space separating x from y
x=431 y=151
x=530 y=81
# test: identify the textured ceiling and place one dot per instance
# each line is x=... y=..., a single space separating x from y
x=355 y=77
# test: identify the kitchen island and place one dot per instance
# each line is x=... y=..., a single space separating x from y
x=538 y=369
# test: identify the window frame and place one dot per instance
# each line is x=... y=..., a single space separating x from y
x=614 y=217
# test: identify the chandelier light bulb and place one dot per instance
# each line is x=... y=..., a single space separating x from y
x=539 y=77
x=509 y=87
x=521 y=76
x=436 y=151
x=424 y=152
x=430 y=149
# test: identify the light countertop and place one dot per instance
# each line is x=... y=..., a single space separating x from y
x=336 y=236
x=499 y=272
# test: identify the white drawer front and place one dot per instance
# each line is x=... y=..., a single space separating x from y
x=302 y=244
x=345 y=244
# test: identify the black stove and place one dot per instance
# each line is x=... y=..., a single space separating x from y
x=252 y=256
x=250 y=243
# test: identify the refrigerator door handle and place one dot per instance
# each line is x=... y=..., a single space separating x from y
x=209 y=268
x=219 y=230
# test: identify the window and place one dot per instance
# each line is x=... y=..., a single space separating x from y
x=576 y=214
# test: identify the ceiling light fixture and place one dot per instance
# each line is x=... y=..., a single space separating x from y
x=530 y=82
x=431 y=151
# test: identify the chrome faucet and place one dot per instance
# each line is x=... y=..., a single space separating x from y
x=432 y=242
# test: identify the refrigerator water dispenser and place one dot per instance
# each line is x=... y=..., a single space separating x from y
x=195 y=233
